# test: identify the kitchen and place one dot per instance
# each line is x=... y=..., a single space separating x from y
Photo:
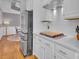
x=64 y=19
x=40 y=20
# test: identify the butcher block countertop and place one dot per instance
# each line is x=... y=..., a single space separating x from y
x=52 y=34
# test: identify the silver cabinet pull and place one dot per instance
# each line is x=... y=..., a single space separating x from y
x=47 y=44
x=63 y=52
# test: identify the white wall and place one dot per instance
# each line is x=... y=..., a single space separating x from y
x=71 y=8
x=5 y=5
x=39 y=14
x=67 y=26
x=13 y=18
x=59 y=25
x=29 y=4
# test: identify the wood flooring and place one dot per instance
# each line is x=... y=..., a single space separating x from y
x=11 y=49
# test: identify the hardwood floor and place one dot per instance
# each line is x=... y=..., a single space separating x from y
x=11 y=49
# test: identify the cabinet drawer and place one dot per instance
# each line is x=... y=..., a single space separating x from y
x=65 y=52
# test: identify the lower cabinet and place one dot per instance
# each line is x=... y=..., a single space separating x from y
x=58 y=56
x=64 y=53
x=46 y=49
x=49 y=50
x=41 y=51
x=36 y=45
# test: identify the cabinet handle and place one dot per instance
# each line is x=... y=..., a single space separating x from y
x=47 y=44
x=63 y=52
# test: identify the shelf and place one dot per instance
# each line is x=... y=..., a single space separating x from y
x=75 y=18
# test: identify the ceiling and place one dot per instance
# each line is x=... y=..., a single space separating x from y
x=5 y=5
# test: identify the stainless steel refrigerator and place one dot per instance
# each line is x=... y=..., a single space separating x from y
x=26 y=33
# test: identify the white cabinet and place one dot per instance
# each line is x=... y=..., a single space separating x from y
x=41 y=51
x=58 y=56
x=49 y=50
x=35 y=46
x=43 y=48
x=71 y=8
x=64 y=52
x=38 y=47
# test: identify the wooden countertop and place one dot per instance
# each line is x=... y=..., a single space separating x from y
x=52 y=34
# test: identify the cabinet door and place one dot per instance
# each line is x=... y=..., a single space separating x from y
x=59 y=57
x=64 y=51
x=41 y=51
x=35 y=46
x=38 y=47
x=43 y=48
x=48 y=50
x=45 y=51
x=48 y=53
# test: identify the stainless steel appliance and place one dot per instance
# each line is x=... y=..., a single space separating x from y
x=26 y=33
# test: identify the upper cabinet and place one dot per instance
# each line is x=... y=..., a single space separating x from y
x=71 y=9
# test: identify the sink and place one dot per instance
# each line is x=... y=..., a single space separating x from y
x=73 y=41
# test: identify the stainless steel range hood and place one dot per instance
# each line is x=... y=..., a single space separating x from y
x=54 y=4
